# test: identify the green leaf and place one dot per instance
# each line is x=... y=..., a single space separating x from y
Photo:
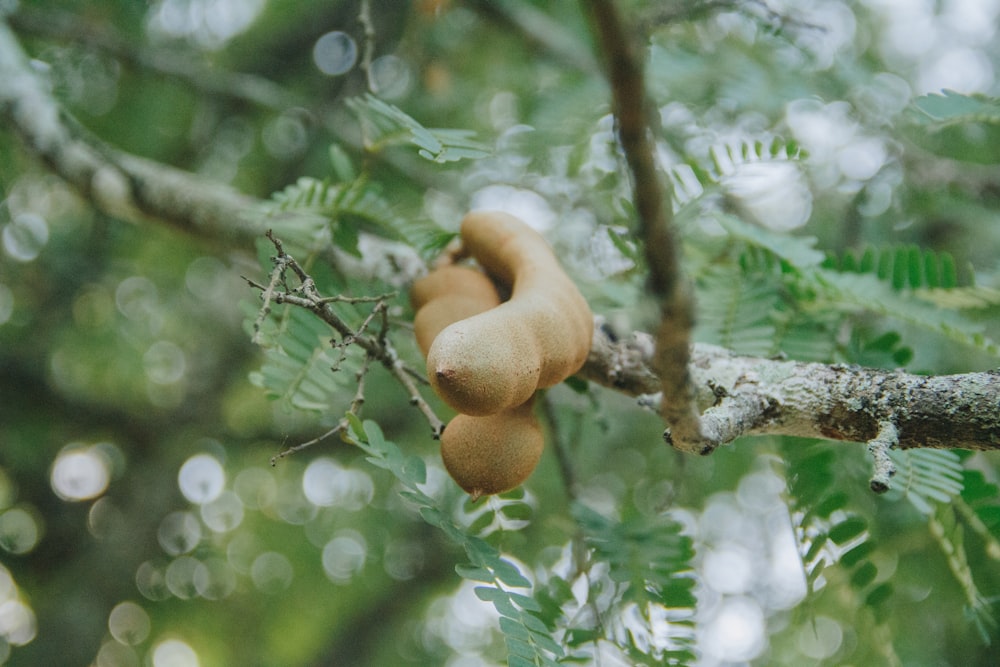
x=857 y=554
x=386 y=125
x=957 y=126
x=525 y=602
x=512 y=628
x=474 y=573
x=848 y=529
x=879 y=595
x=510 y=575
x=864 y=575
x=517 y=660
x=499 y=599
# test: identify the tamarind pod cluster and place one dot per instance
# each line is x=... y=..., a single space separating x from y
x=497 y=359
x=484 y=455
x=488 y=358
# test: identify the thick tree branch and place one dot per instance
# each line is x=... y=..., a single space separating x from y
x=119 y=184
x=653 y=206
x=740 y=396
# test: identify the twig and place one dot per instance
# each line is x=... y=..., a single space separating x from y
x=879 y=446
x=560 y=446
x=655 y=224
x=342 y=423
x=376 y=345
x=365 y=19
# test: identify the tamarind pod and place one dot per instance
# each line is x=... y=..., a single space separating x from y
x=446 y=295
x=493 y=453
x=539 y=337
x=453 y=280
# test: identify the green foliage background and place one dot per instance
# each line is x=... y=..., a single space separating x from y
x=130 y=344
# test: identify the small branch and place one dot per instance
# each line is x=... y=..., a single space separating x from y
x=561 y=447
x=879 y=446
x=655 y=222
x=376 y=345
x=342 y=424
x=117 y=183
x=368 y=55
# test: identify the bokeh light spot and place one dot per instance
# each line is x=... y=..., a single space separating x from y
x=201 y=479
x=179 y=533
x=344 y=556
x=214 y=579
x=256 y=488
x=19 y=532
x=180 y=577
x=821 y=638
x=80 y=473
x=326 y=483
x=17 y=622
x=736 y=633
x=391 y=76
x=165 y=362
x=129 y=623
x=174 y=653
x=136 y=297
x=25 y=236
x=151 y=582
x=224 y=513
x=113 y=654
x=335 y=53
x=271 y=572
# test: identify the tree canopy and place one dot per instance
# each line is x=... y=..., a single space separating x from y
x=217 y=441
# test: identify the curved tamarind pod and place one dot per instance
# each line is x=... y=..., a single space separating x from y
x=493 y=453
x=539 y=337
x=453 y=280
x=446 y=295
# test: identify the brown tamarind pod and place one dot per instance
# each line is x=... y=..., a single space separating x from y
x=446 y=295
x=493 y=453
x=497 y=359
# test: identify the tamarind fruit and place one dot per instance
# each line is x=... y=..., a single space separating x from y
x=446 y=295
x=494 y=453
x=497 y=359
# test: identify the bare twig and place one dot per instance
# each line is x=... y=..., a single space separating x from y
x=368 y=54
x=653 y=207
x=879 y=446
x=376 y=345
x=342 y=423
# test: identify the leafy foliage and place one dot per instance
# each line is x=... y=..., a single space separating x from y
x=528 y=640
x=385 y=125
x=649 y=561
x=962 y=127
x=337 y=212
x=830 y=533
x=927 y=476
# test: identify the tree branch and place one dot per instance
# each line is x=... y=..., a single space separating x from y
x=119 y=184
x=739 y=396
x=135 y=189
x=655 y=221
